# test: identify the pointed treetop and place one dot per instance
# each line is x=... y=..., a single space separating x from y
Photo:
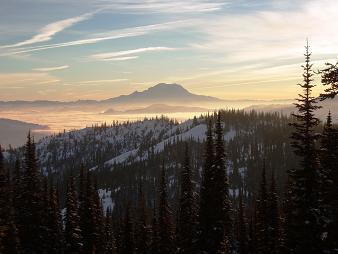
x=329 y=119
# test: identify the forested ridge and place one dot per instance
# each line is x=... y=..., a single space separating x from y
x=253 y=183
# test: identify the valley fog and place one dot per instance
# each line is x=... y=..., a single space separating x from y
x=60 y=119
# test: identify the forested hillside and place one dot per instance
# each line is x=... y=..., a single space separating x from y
x=226 y=182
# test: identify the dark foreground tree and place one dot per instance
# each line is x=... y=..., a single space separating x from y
x=330 y=80
x=274 y=229
x=127 y=242
x=223 y=223
x=73 y=237
x=142 y=237
x=243 y=241
x=30 y=221
x=9 y=240
x=303 y=224
x=329 y=185
x=262 y=220
x=165 y=230
x=187 y=210
x=206 y=195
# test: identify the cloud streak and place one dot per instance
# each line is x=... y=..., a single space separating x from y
x=127 y=54
x=165 y=6
x=102 y=81
x=48 y=31
x=111 y=35
x=56 y=68
x=117 y=59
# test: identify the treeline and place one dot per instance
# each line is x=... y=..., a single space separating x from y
x=204 y=218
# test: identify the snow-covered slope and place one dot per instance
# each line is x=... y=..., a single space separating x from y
x=196 y=133
x=96 y=145
x=117 y=143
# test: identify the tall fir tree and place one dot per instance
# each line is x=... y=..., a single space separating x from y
x=165 y=233
x=154 y=232
x=109 y=238
x=187 y=210
x=243 y=241
x=127 y=241
x=83 y=211
x=54 y=224
x=252 y=246
x=303 y=227
x=98 y=221
x=9 y=239
x=222 y=211
x=17 y=191
x=207 y=202
x=262 y=221
x=4 y=202
x=274 y=229
x=329 y=185
x=73 y=234
x=91 y=215
x=30 y=224
x=142 y=237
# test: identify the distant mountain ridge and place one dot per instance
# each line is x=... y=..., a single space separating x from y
x=163 y=93
x=14 y=132
x=160 y=93
x=287 y=109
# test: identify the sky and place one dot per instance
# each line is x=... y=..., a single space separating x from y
x=97 y=49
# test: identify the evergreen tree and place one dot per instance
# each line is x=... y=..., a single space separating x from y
x=262 y=220
x=54 y=223
x=329 y=185
x=207 y=202
x=110 y=247
x=17 y=191
x=222 y=209
x=187 y=210
x=252 y=247
x=127 y=243
x=303 y=229
x=9 y=240
x=73 y=237
x=165 y=233
x=243 y=241
x=98 y=221
x=155 y=233
x=4 y=202
x=91 y=216
x=274 y=228
x=31 y=228
x=84 y=212
x=330 y=80
x=142 y=242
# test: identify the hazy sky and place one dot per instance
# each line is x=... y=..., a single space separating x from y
x=95 y=49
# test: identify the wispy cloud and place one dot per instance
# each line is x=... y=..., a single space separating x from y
x=102 y=81
x=25 y=78
x=48 y=82
x=56 y=68
x=48 y=31
x=127 y=54
x=164 y=6
x=117 y=59
x=110 y=35
x=95 y=82
x=273 y=34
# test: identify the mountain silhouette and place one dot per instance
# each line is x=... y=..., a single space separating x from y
x=163 y=93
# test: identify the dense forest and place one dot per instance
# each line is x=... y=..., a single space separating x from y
x=254 y=183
